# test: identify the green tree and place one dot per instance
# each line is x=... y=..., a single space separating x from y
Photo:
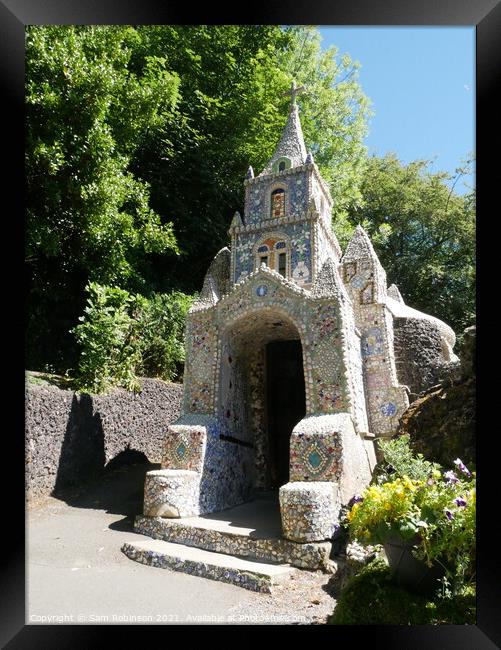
x=163 y=321
x=88 y=216
x=424 y=235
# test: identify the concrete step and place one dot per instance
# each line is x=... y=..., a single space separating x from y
x=256 y=576
x=224 y=533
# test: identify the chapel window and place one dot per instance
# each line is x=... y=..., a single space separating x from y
x=281 y=166
x=282 y=264
x=277 y=203
x=262 y=255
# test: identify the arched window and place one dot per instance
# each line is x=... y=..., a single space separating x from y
x=275 y=253
x=278 y=203
x=281 y=258
x=263 y=254
x=281 y=164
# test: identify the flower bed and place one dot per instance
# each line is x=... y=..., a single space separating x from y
x=436 y=510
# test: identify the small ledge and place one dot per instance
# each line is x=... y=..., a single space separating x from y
x=265 y=224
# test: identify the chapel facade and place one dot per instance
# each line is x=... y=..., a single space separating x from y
x=291 y=367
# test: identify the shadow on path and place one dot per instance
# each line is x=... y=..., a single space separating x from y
x=118 y=489
x=84 y=481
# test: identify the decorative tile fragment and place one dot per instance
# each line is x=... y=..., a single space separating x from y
x=184 y=448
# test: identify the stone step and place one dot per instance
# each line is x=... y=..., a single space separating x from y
x=222 y=536
x=256 y=576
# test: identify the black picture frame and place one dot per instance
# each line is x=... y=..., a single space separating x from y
x=14 y=16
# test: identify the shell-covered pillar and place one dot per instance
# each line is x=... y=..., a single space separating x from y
x=365 y=281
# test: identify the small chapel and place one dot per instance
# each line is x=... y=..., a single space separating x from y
x=298 y=358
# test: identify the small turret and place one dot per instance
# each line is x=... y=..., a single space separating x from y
x=394 y=293
x=362 y=270
x=216 y=281
x=236 y=222
x=328 y=283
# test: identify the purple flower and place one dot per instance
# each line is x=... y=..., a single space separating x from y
x=448 y=514
x=357 y=498
x=460 y=465
x=451 y=477
x=460 y=501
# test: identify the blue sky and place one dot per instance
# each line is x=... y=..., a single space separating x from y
x=421 y=81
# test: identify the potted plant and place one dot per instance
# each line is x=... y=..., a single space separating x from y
x=426 y=524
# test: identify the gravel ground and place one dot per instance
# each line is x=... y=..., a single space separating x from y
x=308 y=599
x=76 y=570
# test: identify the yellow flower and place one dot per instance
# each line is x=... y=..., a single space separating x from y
x=409 y=484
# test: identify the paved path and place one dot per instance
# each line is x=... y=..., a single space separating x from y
x=76 y=572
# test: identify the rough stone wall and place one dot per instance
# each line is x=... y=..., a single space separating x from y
x=418 y=353
x=442 y=421
x=70 y=437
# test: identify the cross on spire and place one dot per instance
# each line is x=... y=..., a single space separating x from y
x=291 y=144
x=294 y=91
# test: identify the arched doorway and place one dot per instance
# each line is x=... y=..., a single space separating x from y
x=262 y=390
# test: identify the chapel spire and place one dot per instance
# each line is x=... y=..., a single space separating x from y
x=291 y=147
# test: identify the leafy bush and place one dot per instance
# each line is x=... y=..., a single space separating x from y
x=370 y=598
x=124 y=336
x=399 y=461
x=109 y=339
x=162 y=335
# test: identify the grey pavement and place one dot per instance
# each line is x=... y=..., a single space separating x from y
x=76 y=572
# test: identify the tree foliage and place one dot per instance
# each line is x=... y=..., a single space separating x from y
x=88 y=216
x=109 y=337
x=424 y=235
x=162 y=335
x=87 y=115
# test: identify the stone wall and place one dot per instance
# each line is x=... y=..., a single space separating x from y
x=442 y=421
x=70 y=437
x=419 y=354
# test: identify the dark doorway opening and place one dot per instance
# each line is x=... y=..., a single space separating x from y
x=285 y=403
